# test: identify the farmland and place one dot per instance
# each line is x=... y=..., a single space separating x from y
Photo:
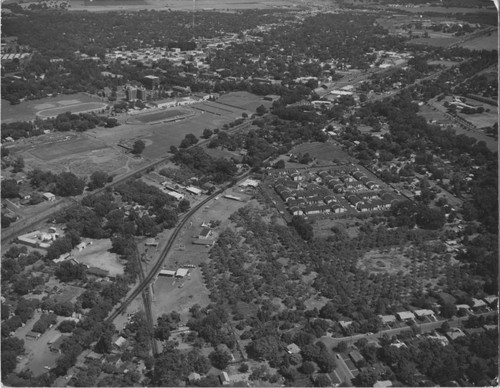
x=49 y=106
x=485 y=42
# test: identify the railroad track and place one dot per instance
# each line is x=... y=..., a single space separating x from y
x=149 y=277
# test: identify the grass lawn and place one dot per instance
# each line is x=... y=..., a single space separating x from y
x=321 y=151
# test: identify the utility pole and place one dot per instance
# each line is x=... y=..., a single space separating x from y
x=194 y=11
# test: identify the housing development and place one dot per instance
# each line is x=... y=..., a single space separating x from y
x=233 y=193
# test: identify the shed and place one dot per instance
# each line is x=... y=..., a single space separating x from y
x=97 y=272
x=205 y=233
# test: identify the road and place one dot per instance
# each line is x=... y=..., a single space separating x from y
x=425 y=327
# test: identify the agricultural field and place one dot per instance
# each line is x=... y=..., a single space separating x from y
x=98 y=255
x=485 y=42
x=49 y=106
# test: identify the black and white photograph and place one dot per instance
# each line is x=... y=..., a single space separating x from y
x=249 y=193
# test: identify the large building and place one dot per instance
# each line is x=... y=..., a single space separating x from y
x=151 y=82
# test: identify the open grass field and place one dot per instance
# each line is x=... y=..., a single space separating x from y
x=73 y=108
x=28 y=110
x=482 y=120
x=62 y=149
x=321 y=151
x=98 y=255
x=484 y=42
x=160 y=115
x=243 y=100
x=435 y=41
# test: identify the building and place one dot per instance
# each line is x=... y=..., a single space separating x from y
x=151 y=242
x=387 y=319
x=232 y=197
x=33 y=335
x=177 y=196
x=383 y=383
x=424 y=313
x=205 y=233
x=49 y=197
x=181 y=272
x=167 y=272
x=224 y=378
x=193 y=376
x=357 y=358
x=293 y=349
x=55 y=346
x=131 y=93
x=120 y=342
x=151 y=82
x=249 y=182
x=405 y=315
x=455 y=333
x=193 y=190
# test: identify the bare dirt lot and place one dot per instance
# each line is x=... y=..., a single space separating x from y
x=98 y=255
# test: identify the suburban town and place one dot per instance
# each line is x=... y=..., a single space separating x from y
x=258 y=194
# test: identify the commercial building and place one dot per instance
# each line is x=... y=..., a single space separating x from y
x=151 y=82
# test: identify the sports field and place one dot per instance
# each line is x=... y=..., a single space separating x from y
x=29 y=110
x=61 y=149
x=242 y=100
x=73 y=108
x=98 y=255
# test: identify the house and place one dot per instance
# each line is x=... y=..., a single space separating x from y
x=455 y=333
x=357 y=358
x=338 y=208
x=425 y=313
x=478 y=303
x=49 y=197
x=438 y=337
x=33 y=335
x=151 y=242
x=224 y=378
x=205 y=233
x=405 y=315
x=383 y=383
x=293 y=349
x=398 y=344
x=193 y=376
x=94 y=356
x=55 y=347
x=464 y=307
x=120 y=342
x=492 y=300
x=387 y=319
x=296 y=211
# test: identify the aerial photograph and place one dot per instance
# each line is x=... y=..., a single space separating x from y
x=249 y=193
